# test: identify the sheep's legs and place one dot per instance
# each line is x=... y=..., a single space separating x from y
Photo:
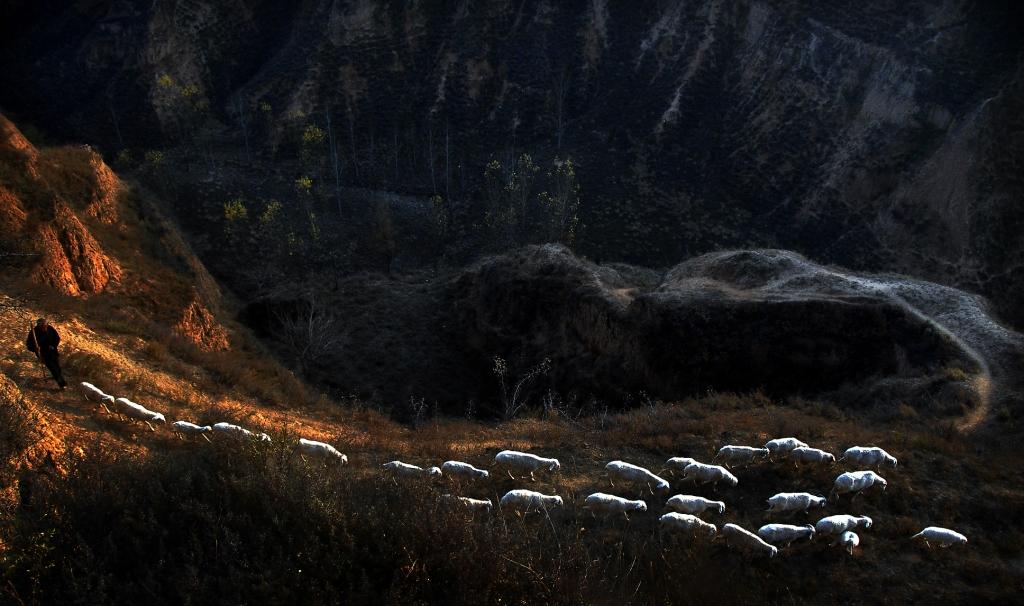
x=510 y=474
x=149 y=426
x=205 y=437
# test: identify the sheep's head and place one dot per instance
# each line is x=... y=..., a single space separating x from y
x=731 y=480
x=555 y=465
x=640 y=506
x=764 y=452
x=890 y=461
x=773 y=551
x=343 y=459
x=711 y=529
x=831 y=458
x=810 y=529
x=721 y=506
x=434 y=472
x=555 y=501
x=864 y=521
x=882 y=481
x=818 y=501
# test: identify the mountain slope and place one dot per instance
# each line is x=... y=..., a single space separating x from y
x=881 y=137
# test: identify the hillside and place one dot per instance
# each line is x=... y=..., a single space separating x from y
x=98 y=510
x=877 y=137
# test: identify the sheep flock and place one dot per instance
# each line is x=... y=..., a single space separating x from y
x=681 y=517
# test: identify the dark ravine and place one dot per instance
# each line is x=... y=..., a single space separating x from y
x=883 y=136
x=736 y=321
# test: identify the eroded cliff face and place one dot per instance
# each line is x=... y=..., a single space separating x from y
x=78 y=232
x=877 y=136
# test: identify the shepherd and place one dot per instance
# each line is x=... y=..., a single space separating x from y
x=43 y=341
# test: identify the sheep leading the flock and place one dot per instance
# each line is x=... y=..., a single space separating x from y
x=635 y=475
x=784 y=534
x=687 y=503
x=943 y=537
x=783 y=446
x=849 y=540
x=747 y=540
x=734 y=455
x=191 y=429
x=868 y=455
x=838 y=524
x=524 y=501
x=705 y=474
x=685 y=522
x=794 y=501
x=95 y=394
x=524 y=462
x=856 y=482
x=676 y=464
x=322 y=450
x=600 y=503
x=468 y=503
x=459 y=470
x=126 y=407
x=407 y=471
x=810 y=455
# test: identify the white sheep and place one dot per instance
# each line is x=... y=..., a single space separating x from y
x=785 y=534
x=468 y=503
x=849 y=540
x=191 y=429
x=748 y=540
x=944 y=537
x=524 y=501
x=856 y=482
x=840 y=523
x=459 y=470
x=676 y=464
x=607 y=504
x=95 y=394
x=866 y=456
x=239 y=432
x=739 y=454
x=524 y=462
x=322 y=450
x=708 y=473
x=810 y=455
x=783 y=446
x=406 y=470
x=130 y=409
x=686 y=503
x=794 y=501
x=635 y=475
x=685 y=522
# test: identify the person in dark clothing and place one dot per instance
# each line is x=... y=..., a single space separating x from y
x=43 y=341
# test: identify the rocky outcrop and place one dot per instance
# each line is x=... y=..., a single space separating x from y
x=767 y=320
x=77 y=229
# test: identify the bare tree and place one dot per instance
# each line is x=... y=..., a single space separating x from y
x=334 y=161
x=560 y=92
x=243 y=122
x=513 y=402
x=308 y=333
